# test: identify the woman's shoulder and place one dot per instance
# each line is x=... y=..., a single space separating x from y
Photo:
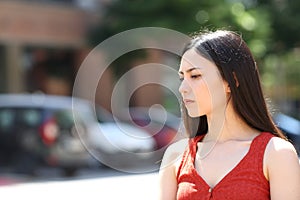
x=177 y=148
x=280 y=152
x=278 y=145
x=175 y=151
x=282 y=164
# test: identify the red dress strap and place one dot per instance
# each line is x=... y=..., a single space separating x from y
x=190 y=152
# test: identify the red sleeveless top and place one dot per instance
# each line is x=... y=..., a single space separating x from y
x=246 y=181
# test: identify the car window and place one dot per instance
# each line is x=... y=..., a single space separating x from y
x=31 y=117
x=7 y=118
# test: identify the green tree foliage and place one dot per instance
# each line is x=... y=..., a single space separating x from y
x=285 y=18
x=281 y=64
x=187 y=16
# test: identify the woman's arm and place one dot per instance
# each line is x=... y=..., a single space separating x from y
x=168 y=170
x=283 y=170
x=167 y=182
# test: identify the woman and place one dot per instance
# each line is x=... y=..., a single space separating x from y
x=234 y=150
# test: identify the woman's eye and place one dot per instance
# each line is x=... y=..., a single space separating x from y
x=195 y=76
x=192 y=77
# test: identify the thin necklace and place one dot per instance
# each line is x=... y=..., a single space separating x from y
x=217 y=140
x=210 y=150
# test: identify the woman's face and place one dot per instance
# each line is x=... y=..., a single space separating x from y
x=202 y=88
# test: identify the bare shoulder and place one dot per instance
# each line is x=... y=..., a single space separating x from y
x=282 y=164
x=278 y=146
x=178 y=147
x=168 y=169
x=281 y=153
x=174 y=152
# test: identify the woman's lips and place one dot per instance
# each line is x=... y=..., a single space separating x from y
x=188 y=101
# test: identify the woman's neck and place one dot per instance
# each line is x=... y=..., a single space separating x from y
x=227 y=125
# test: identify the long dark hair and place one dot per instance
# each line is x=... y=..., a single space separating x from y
x=235 y=62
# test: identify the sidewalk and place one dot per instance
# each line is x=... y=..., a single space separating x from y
x=133 y=187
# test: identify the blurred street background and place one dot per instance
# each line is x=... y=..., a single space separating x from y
x=48 y=145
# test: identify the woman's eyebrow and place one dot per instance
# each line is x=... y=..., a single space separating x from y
x=189 y=70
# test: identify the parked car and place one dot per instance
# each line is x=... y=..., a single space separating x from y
x=118 y=145
x=291 y=127
x=46 y=130
x=37 y=130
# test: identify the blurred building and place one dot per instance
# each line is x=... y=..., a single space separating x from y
x=43 y=42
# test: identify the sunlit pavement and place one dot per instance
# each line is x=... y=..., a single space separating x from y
x=137 y=186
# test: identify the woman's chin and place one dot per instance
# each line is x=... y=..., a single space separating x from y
x=193 y=114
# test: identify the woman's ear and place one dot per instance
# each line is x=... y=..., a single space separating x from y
x=236 y=80
x=228 y=88
x=236 y=83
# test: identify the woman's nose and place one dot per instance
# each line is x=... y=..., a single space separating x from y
x=183 y=88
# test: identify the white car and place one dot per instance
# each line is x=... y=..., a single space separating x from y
x=118 y=144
